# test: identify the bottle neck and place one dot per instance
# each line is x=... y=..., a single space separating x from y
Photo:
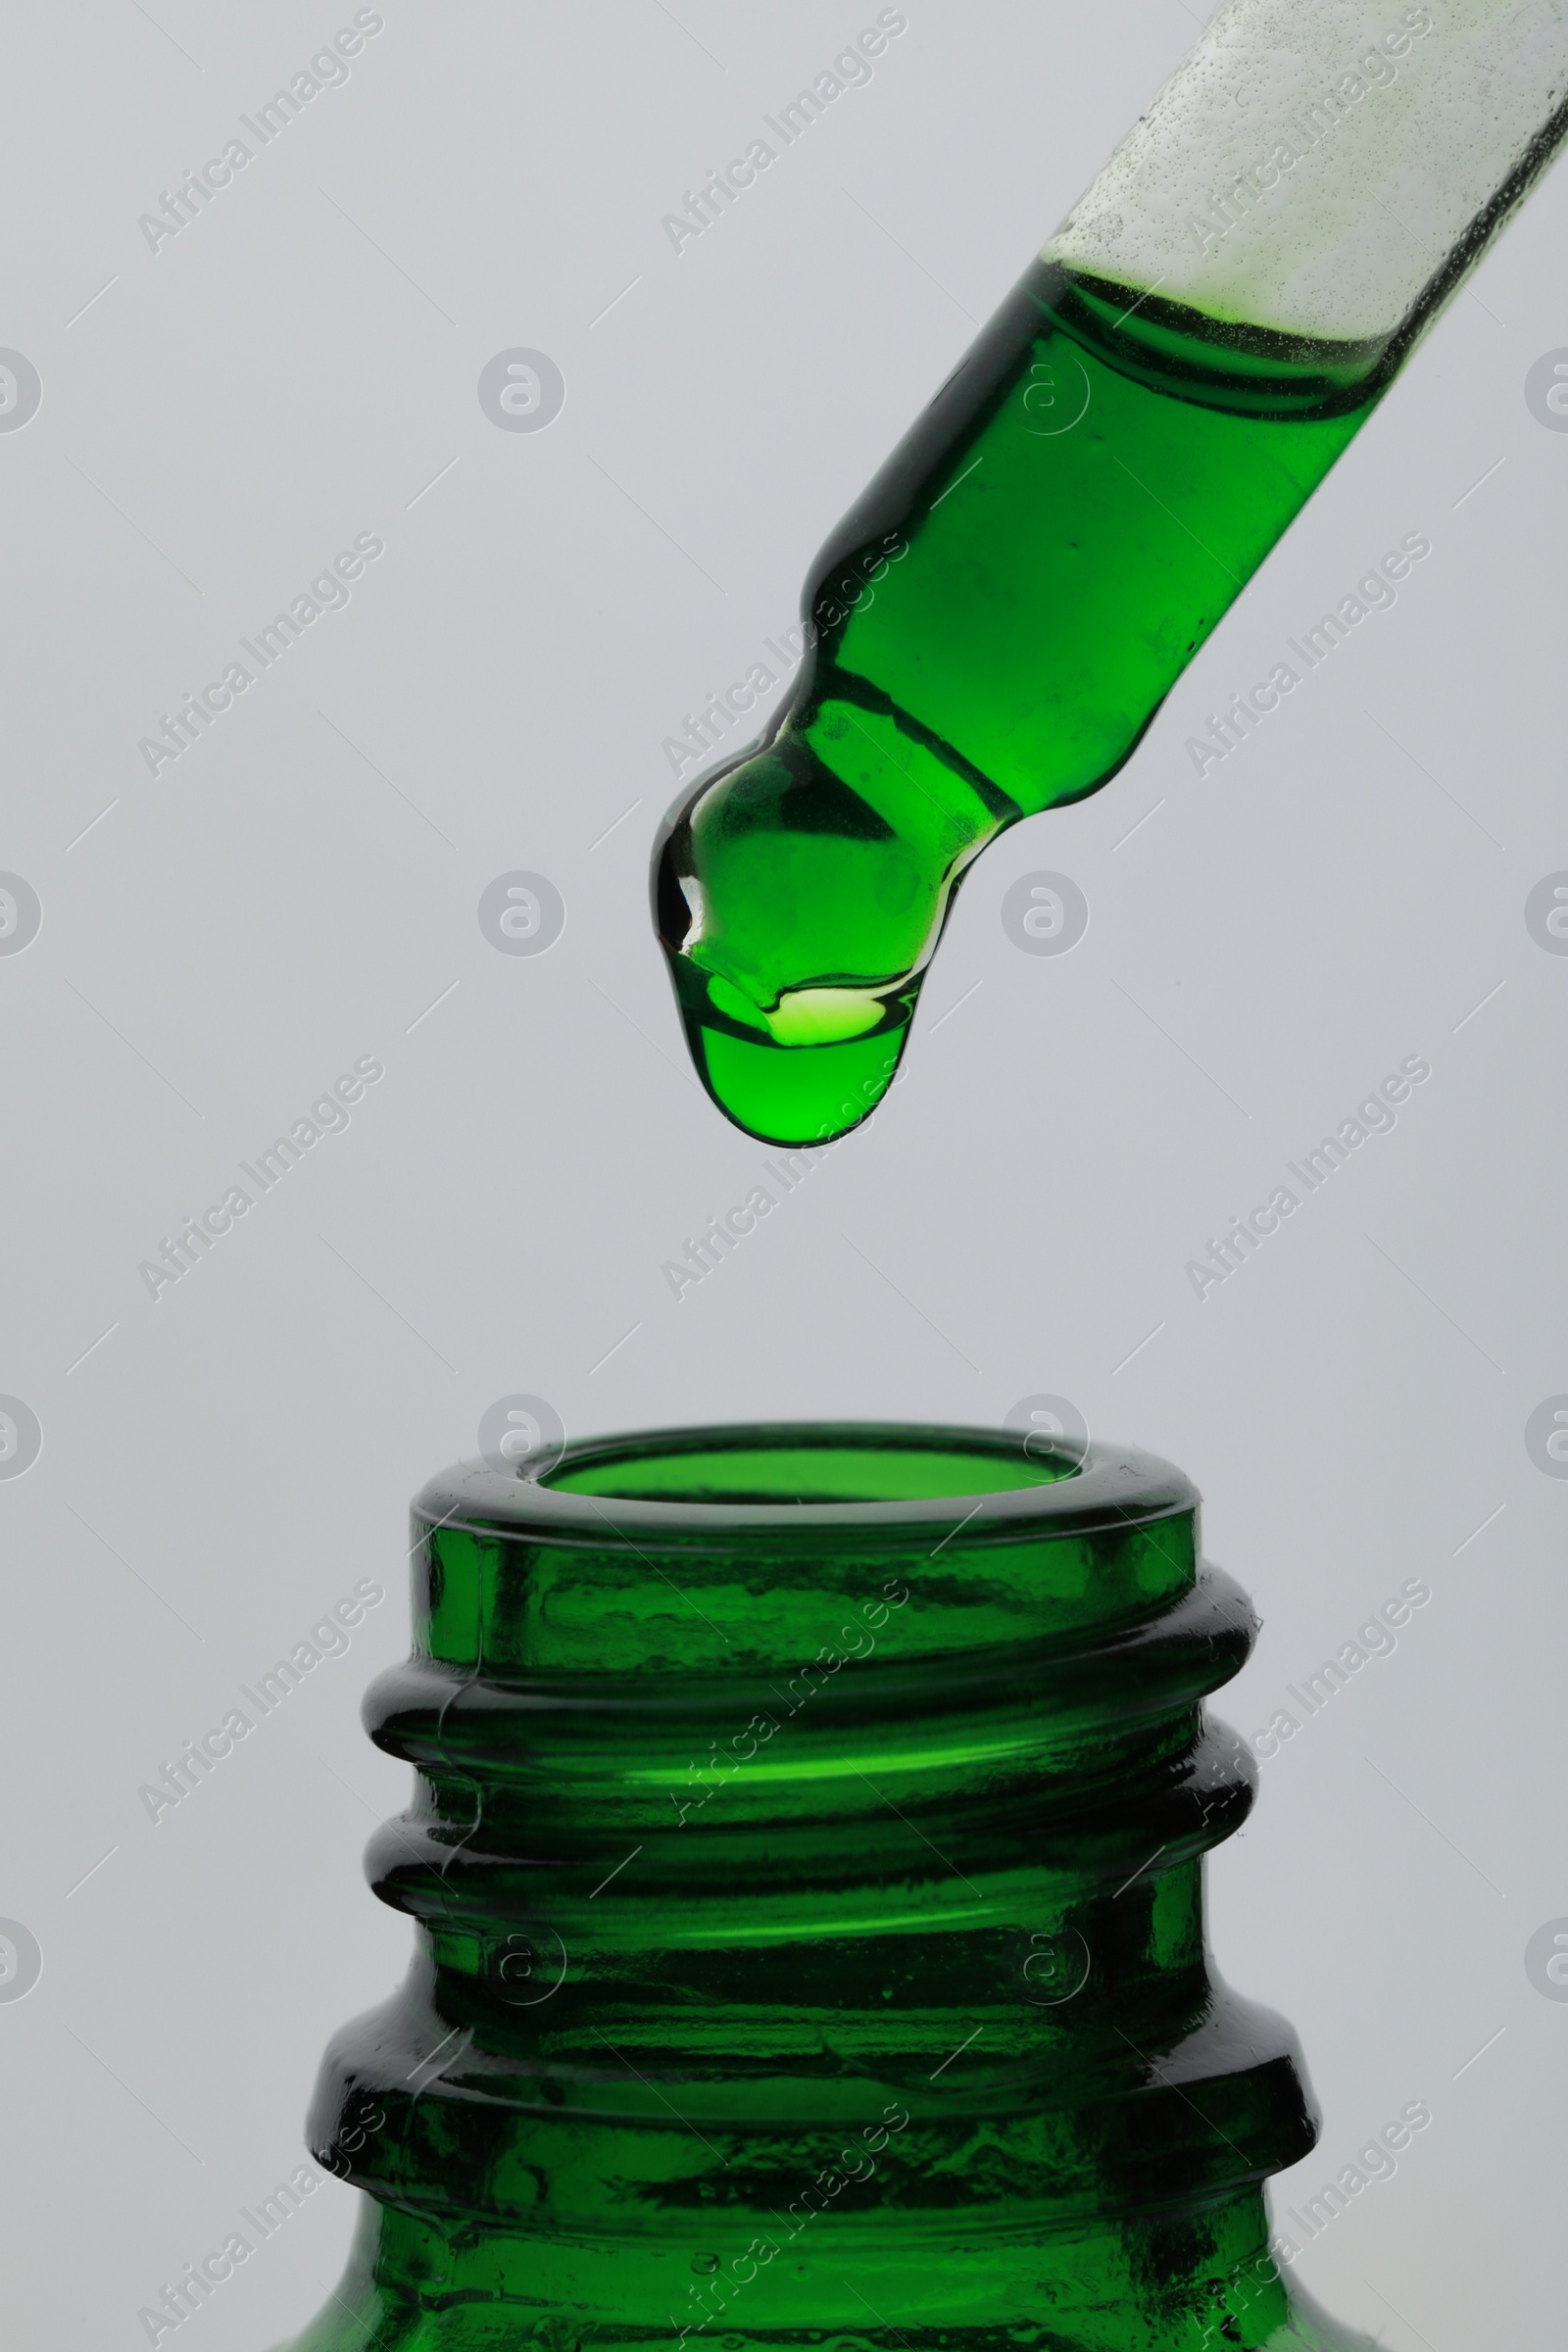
x=745 y=2001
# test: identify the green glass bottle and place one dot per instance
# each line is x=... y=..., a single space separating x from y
x=806 y=1866
x=999 y=617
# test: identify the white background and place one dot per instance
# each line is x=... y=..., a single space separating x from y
x=228 y=1461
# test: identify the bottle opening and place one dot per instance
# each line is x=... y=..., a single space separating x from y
x=793 y=1470
x=734 y=1548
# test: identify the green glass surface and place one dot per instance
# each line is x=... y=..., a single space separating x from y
x=994 y=625
x=805 y=1861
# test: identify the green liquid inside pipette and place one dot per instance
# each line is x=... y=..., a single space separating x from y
x=996 y=621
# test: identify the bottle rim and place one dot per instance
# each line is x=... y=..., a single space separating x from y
x=1065 y=1488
